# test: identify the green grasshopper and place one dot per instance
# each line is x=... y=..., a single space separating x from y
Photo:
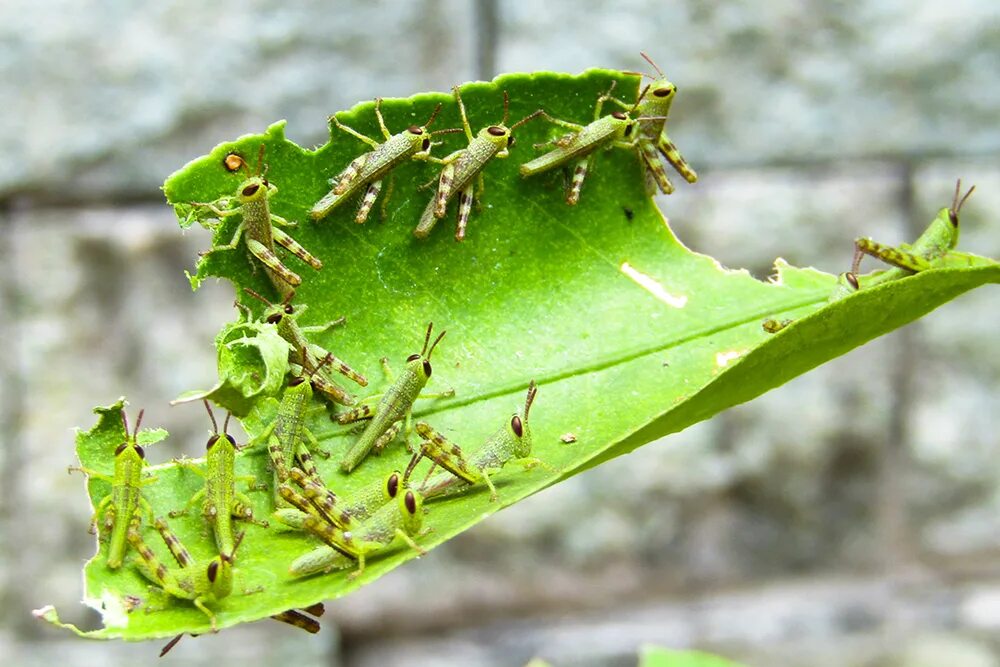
x=122 y=508
x=287 y=436
x=204 y=584
x=616 y=130
x=308 y=355
x=402 y=518
x=317 y=499
x=511 y=442
x=221 y=501
x=370 y=168
x=395 y=406
x=466 y=164
x=654 y=138
x=261 y=227
x=931 y=250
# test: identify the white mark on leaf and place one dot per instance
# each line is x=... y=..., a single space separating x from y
x=653 y=287
x=723 y=358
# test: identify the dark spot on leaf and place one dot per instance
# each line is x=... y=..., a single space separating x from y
x=232 y=162
x=629 y=214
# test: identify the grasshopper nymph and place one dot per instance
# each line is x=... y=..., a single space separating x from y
x=221 y=502
x=467 y=164
x=317 y=499
x=202 y=583
x=308 y=356
x=367 y=170
x=511 y=442
x=931 y=250
x=287 y=436
x=653 y=137
x=122 y=508
x=578 y=148
x=401 y=518
x=395 y=407
x=260 y=225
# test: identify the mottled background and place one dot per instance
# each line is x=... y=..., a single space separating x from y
x=850 y=518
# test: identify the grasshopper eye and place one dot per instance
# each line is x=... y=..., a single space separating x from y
x=620 y=115
x=211 y=442
x=412 y=357
x=628 y=129
x=411 y=502
x=392 y=485
x=251 y=190
x=296 y=381
x=415 y=129
x=426 y=144
x=289 y=309
x=121 y=448
x=852 y=279
x=662 y=92
x=517 y=426
x=427 y=368
x=140 y=451
x=496 y=131
x=953 y=217
x=266 y=184
x=213 y=571
x=510 y=141
x=274 y=318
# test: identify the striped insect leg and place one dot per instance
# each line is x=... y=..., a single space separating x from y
x=675 y=158
x=580 y=168
x=464 y=208
x=368 y=201
x=292 y=246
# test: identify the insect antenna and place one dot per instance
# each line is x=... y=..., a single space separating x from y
x=225 y=424
x=524 y=120
x=433 y=116
x=956 y=203
x=434 y=344
x=650 y=61
x=427 y=337
x=231 y=556
x=639 y=99
x=257 y=296
x=138 y=421
x=506 y=108
x=208 y=409
x=260 y=159
x=530 y=398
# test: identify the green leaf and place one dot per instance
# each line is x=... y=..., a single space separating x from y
x=253 y=362
x=629 y=335
x=655 y=656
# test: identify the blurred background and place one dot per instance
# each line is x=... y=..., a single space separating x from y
x=849 y=518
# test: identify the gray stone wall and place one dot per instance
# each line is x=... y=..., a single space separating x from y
x=850 y=517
